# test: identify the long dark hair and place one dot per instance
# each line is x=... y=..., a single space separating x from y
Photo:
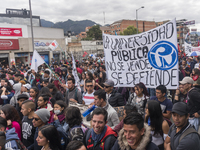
x=37 y=92
x=90 y=75
x=52 y=135
x=103 y=79
x=73 y=116
x=142 y=86
x=11 y=113
x=45 y=90
x=155 y=115
x=52 y=86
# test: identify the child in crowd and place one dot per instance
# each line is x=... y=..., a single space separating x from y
x=28 y=130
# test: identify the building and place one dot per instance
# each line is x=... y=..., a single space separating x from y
x=161 y=22
x=17 y=16
x=105 y=29
x=16 y=40
x=16 y=43
x=121 y=25
x=182 y=30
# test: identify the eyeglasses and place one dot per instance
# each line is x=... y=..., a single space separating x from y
x=106 y=86
x=36 y=119
x=89 y=85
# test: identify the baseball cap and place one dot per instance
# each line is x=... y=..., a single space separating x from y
x=180 y=108
x=28 y=86
x=187 y=80
x=109 y=83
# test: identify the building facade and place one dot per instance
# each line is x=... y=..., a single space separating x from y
x=121 y=25
x=16 y=43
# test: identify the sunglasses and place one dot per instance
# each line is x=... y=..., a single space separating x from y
x=36 y=119
x=106 y=86
x=89 y=85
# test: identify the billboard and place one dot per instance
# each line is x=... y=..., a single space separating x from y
x=9 y=44
x=10 y=31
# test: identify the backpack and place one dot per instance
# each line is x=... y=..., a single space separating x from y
x=187 y=131
x=20 y=145
x=77 y=133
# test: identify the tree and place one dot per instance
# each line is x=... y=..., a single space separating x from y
x=129 y=31
x=95 y=33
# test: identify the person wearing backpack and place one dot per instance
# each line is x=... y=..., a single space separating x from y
x=100 y=136
x=12 y=139
x=73 y=94
x=182 y=134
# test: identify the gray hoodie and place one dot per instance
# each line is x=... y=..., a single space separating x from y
x=17 y=88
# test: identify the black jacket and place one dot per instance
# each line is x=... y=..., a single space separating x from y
x=116 y=99
x=194 y=100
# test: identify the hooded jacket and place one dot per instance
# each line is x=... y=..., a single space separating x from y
x=145 y=143
x=11 y=134
x=17 y=88
x=116 y=99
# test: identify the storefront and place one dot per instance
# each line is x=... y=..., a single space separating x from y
x=21 y=58
x=7 y=45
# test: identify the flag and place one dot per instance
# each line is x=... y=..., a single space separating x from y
x=53 y=45
x=36 y=61
x=198 y=42
x=179 y=50
x=84 y=54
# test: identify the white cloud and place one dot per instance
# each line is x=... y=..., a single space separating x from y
x=62 y=10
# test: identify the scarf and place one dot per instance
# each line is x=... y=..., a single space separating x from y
x=98 y=137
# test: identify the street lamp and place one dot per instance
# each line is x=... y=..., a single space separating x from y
x=137 y=17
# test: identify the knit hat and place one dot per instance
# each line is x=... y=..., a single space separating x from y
x=43 y=114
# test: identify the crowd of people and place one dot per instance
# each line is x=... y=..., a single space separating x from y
x=38 y=109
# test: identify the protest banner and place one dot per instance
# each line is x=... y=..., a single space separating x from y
x=150 y=57
x=75 y=74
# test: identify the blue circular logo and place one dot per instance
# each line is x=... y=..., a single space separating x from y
x=163 y=55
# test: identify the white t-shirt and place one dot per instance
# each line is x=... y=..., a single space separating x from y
x=88 y=98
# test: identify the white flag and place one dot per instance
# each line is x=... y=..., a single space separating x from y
x=36 y=61
x=53 y=45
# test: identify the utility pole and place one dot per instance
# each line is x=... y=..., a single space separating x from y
x=31 y=24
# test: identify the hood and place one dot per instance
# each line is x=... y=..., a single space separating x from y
x=143 y=143
x=17 y=88
x=11 y=134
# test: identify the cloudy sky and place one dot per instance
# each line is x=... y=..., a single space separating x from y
x=62 y=10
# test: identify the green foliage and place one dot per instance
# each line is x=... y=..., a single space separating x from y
x=95 y=33
x=129 y=31
x=87 y=39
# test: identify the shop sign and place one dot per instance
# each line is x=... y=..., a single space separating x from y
x=9 y=44
x=42 y=45
x=10 y=31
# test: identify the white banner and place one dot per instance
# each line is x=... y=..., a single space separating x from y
x=75 y=74
x=150 y=57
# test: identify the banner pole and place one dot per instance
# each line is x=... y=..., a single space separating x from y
x=53 y=73
x=64 y=55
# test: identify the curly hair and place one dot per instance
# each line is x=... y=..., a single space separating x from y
x=73 y=116
x=11 y=113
